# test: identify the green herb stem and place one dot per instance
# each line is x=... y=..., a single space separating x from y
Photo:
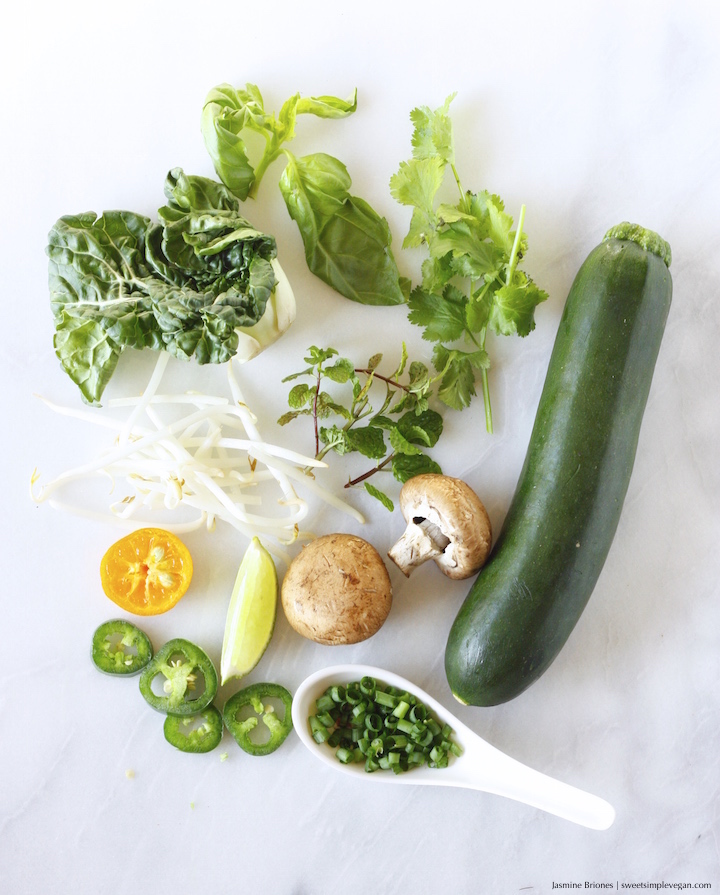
x=486 y=401
x=386 y=379
x=272 y=151
x=371 y=472
x=516 y=245
x=463 y=196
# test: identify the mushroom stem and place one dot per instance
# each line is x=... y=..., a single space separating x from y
x=421 y=541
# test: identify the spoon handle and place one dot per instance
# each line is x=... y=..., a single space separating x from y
x=501 y=775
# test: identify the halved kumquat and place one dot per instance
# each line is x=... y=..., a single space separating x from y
x=147 y=571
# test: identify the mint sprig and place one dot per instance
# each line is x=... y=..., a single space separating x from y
x=471 y=283
x=395 y=436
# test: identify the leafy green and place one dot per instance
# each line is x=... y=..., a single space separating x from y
x=404 y=415
x=346 y=242
x=186 y=284
x=471 y=283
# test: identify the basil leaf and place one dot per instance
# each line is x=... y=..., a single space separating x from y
x=347 y=244
x=226 y=113
x=328 y=106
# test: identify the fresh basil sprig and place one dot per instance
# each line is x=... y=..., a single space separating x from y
x=410 y=425
x=185 y=284
x=346 y=242
x=471 y=283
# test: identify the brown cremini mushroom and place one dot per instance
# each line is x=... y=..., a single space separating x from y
x=447 y=522
x=337 y=590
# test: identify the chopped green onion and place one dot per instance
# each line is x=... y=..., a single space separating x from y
x=387 y=699
x=320 y=733
x=326 y=718
x=325 y=703
x=381 y=727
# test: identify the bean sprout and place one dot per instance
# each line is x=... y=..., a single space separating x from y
x=211 y=462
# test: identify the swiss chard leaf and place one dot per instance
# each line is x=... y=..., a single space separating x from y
x=184 y=285
x=347 y=244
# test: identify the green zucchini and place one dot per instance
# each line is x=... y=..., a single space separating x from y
x=562 y=519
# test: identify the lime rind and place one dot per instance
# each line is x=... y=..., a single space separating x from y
x=251 y=614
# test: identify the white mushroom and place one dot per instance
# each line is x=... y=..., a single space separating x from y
x=337 y=590
x=447 y=522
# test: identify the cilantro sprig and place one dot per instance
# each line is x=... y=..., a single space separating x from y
x=471 y=283
x=404 y=416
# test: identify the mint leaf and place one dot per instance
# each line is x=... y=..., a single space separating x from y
x=400 y=443
x=300 y=395
x=404 y=466
x=292 y=415
x=325 y=407
x=379 y=495
x=319 y=355
x=421 y=428
x=335 y=438
x=368 y=440
x=341 y=371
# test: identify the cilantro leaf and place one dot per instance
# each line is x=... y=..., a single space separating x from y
x=443 y=316
x=513 y=307
x=457 y=386
x=417 y=181
x=473 y=255
x=433 y=132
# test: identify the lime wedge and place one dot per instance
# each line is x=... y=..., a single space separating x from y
x=251 y=614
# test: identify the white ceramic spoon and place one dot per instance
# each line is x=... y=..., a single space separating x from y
x=481 y=766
